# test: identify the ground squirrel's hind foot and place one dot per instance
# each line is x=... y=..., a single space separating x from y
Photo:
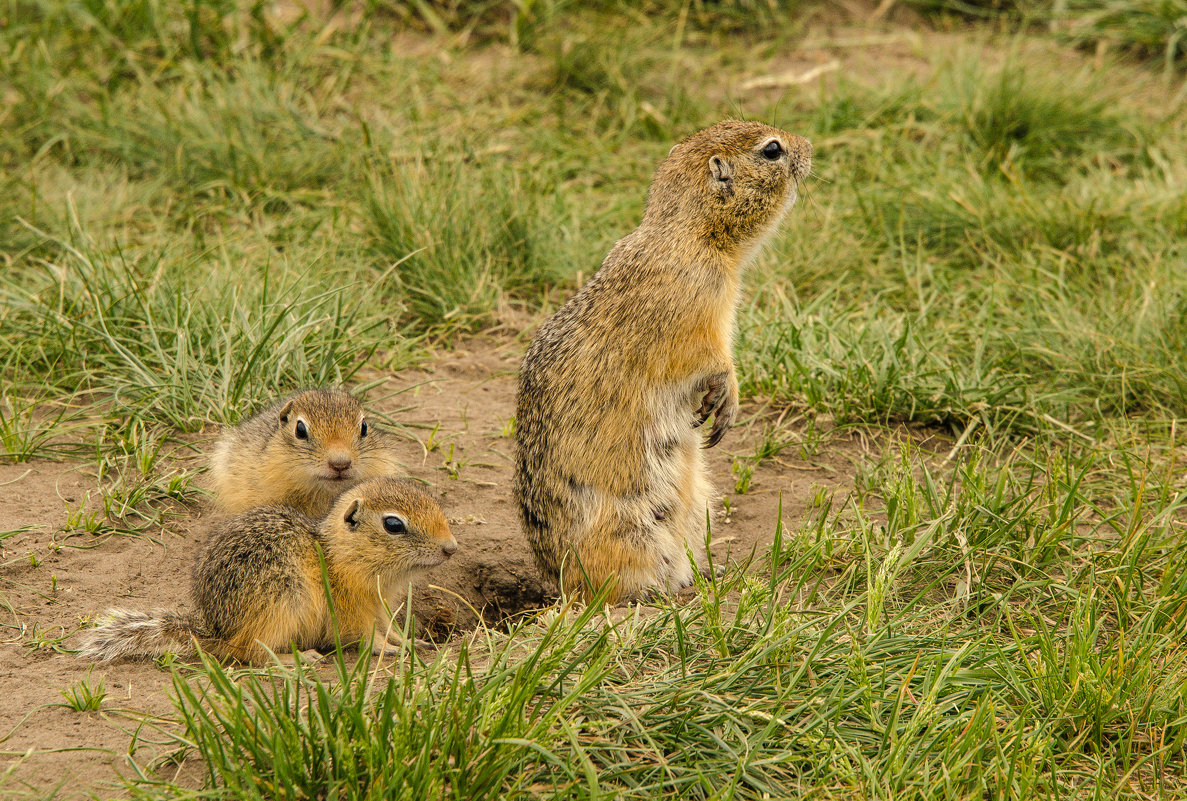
x=716 y=572
x=635 y=574
x=308 y=657
x=395 y=643
x=653 y=595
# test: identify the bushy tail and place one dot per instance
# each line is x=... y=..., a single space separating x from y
x=123 y=633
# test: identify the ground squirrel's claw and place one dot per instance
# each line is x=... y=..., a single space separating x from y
x=716 y=392
x=723 y=421
x=720 y=402
x=648 y=597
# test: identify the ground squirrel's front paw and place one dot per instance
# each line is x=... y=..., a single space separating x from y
x=723 y=421
x=716 y=389
x=720 y=402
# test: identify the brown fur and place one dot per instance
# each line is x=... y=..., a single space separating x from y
x=262 y=462
x=258 y=582
x=610 y=479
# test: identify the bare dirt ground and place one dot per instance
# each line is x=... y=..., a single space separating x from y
x=456 y=420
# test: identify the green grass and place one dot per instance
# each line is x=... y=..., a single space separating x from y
x=207 y=204
x=462 y=236
x=967 y=643
x=185 y=334
x=1149 y=29
x=989 y=248
x=1153 y=29
x=85 y=696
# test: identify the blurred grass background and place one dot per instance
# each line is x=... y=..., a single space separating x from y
x=371 y=175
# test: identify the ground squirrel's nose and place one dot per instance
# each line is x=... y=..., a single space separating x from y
x=449 y=548
x=339 y=461
x=801 y=156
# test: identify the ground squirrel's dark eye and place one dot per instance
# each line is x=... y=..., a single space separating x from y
x=363 y=433
x=393 y=524
x=302 y=431
x=772 y=150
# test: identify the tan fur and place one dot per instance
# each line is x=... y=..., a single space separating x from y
x=258 y=583
x=262 y=462
x=610 y=478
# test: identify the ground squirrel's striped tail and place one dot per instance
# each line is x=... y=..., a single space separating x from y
x=124 y=633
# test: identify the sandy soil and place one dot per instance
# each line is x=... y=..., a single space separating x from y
x=454 y=419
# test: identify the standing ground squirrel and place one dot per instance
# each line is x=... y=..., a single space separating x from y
x=609 y=475
x=301 y=452
x=258 y=581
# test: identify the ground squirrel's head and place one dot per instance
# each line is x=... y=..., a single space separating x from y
x=391 y=526
x=729 y=184
x=327 y=430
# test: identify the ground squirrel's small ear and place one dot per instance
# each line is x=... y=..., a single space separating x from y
x=722 y=172
x=285 y=411
x=351 y=511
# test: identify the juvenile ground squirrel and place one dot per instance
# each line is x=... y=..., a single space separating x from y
x=301 y=452
x=609 y=479
x=258 y=581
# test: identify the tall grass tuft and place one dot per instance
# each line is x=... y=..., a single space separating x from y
x=1026 y=123
x=182 y=339
x=1152 y=28
x=462 y=235
x=446 y=727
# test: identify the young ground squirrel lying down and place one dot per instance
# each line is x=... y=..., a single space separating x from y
x=258 y=582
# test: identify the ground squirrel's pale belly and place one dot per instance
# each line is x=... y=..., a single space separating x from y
x=670 y=442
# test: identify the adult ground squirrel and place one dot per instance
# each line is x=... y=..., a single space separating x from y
x=609 y=477
x=258 y=581
x=301 y=452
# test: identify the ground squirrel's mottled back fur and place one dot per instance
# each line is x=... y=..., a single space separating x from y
x=258 y=581
x=609 y=476
x=302 y=452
